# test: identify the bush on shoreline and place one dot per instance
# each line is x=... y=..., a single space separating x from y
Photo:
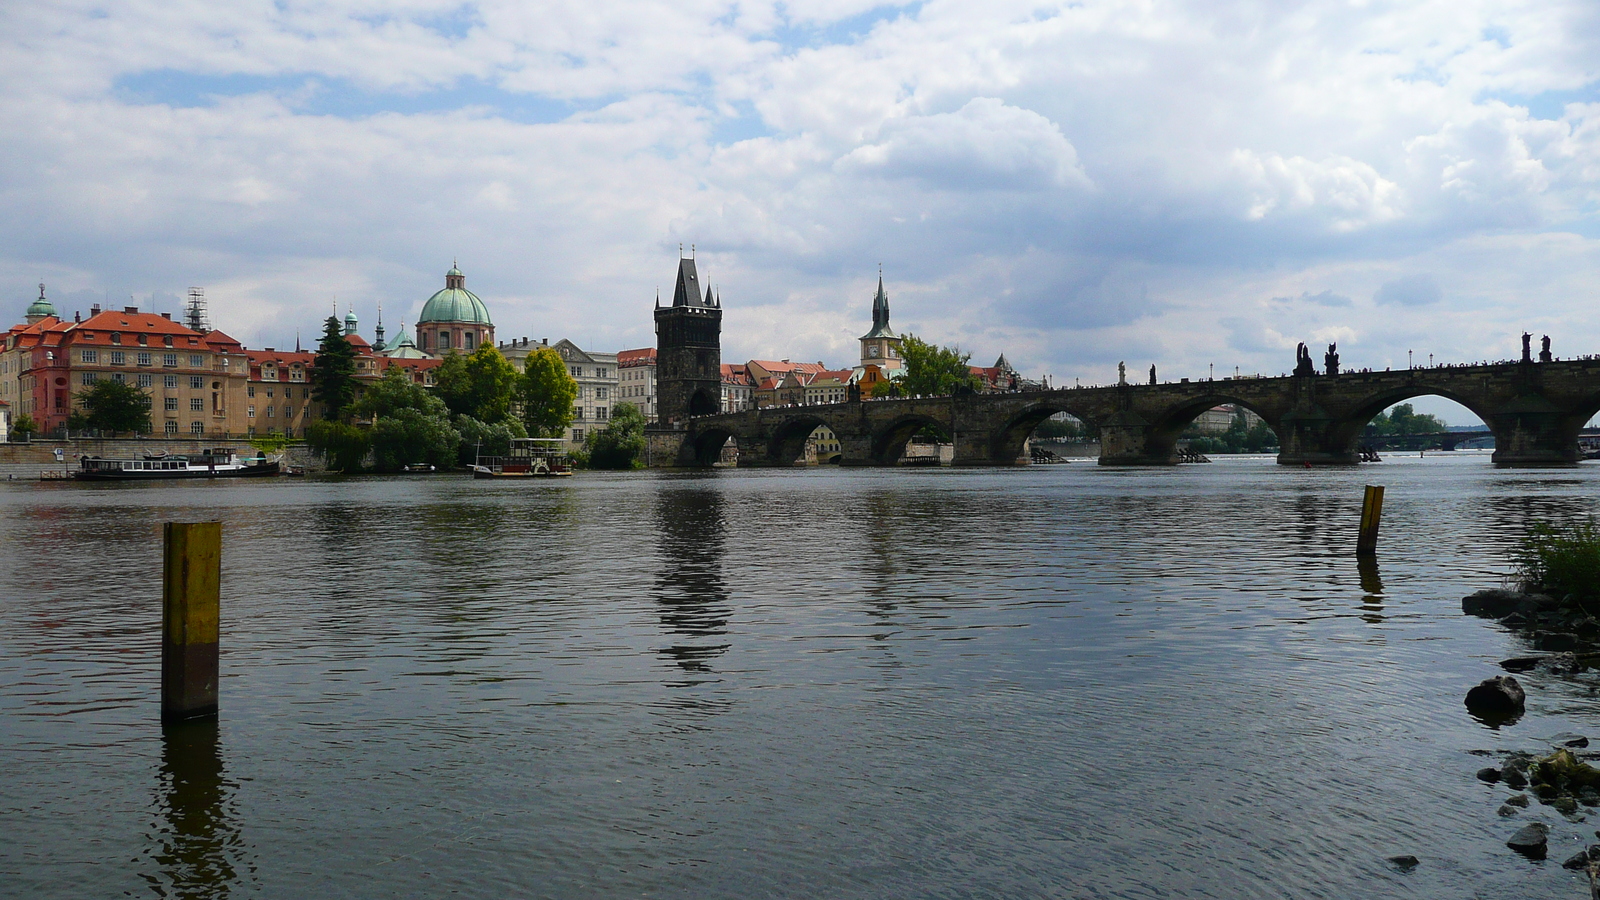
x=1562 y=560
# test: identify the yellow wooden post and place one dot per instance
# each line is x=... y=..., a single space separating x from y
x=1371 y=515
x=191 y=596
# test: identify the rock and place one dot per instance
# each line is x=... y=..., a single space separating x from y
x=1494 y=603
x=1556 y=641
x=1568 y=739
x=1514 y=778
x=1563 y=770
x=1578 y=860
x=1565 y=805
x=1588 y=796
x=1507 y=810
x=1497 y=697
x=1531 y=840
x=1518 y=800
x=1490 y=775
x=1521 y=663
x=1404 y=863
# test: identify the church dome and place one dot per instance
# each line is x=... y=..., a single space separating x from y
x=41 y=307
x=455 y=303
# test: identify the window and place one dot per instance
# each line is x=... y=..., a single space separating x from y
x=118 y=358
x=305 y=393
x=89 y=378
x=197 y=428
x=90 y=356
x=116 y=338
x=444 y=340
x=166 y=341
x=297 y=374
x=288 y=411
x=600 y=393
x=577 y=413
x=600 y=413
x=169 y=359
x=145 y=401
x=145 y=380
x=172 y=428
x=144 y=359
x=197 y=404
x=468 y=340
x=170 y=403
x=577 y=371
x=250 y=391
x=117 y=377
x=577 y=434
x=250 y=412
x=170 y=381
x=269 y=393
x=143 y=341
x=196 y=360
x=269 y=412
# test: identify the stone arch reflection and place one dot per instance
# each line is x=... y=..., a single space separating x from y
x=199 y=851
x=690 y=592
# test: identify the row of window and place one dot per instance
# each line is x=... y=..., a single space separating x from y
x=197 y=382
x=599 y=372
x=119 y=358
x=250 y=412
x=116 y=338
x=600 y=413
x=288 y=392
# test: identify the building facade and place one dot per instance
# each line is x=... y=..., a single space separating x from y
x=597 y=377
x=688 y=350
x=636 y=376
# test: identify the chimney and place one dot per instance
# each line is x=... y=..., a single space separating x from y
x=77 y=316
x=167 y=316
x=94 y=310
x=130 y=309
x=545 y=341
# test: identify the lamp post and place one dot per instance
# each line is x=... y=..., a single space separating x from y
x=1408 y=359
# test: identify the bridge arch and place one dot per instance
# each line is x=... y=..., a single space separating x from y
x=889 y=441
x=1345 y=433
x=1005 y=442
x=703 y=447
x=1162 y=441
x=787 y=446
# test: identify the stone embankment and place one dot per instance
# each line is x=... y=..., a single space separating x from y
x=42 y=458
x=1560 y=777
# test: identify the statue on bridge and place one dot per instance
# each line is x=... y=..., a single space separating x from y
x=1122 y=374
x=1330 y=360
x=1152 y=373
x=1544 y=350
x=1527 y=351
x=1302 y=361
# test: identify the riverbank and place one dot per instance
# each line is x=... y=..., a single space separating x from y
x=40 y=458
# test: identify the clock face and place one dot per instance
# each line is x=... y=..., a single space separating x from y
x=872 y=350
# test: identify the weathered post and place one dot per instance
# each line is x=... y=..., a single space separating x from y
x=1371 y=515
x=191 y=595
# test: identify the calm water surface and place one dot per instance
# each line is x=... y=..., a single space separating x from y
x=1058 y=681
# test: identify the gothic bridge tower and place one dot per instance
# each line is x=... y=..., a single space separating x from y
x=688 y=350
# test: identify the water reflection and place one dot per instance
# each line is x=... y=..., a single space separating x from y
x=199 y=850
x=1372 y=586
x=689 y=586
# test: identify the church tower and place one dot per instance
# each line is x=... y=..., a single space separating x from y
x=881 y=346
x=688 y=350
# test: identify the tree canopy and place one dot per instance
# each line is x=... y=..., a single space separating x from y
x=481 y=385
x=115 y=406
x=395 y=391
x=930 y=370
x=333 y=380
x=1404 y=420
x=24 y=425
x=620 y=444
x=410 y=425
x=546 y=393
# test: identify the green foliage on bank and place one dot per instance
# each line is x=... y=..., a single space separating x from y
x=114 y=406
x=485 y=438
x=1561 y=559
x=1241 y=437
x=480 y=385
x=546 y=393
x=620 y=444
x=930 y=371
x=1404 y=420
x=344 y=446
x=24 y=426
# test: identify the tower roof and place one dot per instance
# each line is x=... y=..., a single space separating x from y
x=41 y=307
x=880 y=314
x=687 y=292
x=455 y=303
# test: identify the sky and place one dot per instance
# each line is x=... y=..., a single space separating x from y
x=1195 y=185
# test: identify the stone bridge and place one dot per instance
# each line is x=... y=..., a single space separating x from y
x=1535 y=411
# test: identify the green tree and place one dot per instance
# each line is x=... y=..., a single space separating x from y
x=25 y=426
x=620 y=444
x=395 y=391
x=546 y=393
x=930 y=371
x=411 y=436
x=480 y=385
x=486 y=439
x=344 y=446
x=333 y=379
x=1403 y=420
x=115 y=406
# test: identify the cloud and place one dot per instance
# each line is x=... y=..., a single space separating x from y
x=1410 y=290
x=1321 y=298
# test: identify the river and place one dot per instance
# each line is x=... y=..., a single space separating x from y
x=1056 y=681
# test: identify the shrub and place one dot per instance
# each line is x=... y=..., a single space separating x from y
x=1562 y=560
x=344 y=446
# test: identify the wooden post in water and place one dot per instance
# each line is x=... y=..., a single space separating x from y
x=190 y=597
x=1371 y=515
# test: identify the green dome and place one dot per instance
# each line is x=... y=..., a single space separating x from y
x=455 y=303
x=41 y=306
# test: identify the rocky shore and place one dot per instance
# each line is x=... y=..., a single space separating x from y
x=1560 y=777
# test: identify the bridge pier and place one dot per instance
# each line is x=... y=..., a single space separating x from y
x=1316 y=440
x=1127 y=440
x=1534 y=439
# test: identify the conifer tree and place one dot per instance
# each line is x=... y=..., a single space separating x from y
x=333 y=380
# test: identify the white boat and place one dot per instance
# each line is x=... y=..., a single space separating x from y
x=220 y=462
x=527 y=458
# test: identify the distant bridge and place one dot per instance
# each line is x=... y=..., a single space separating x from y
x=1534 y=410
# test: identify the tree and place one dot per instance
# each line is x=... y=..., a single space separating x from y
x=485 y=438
x=395 y=391
x=546 y=392
x=620 y=444
x=333 y=380
x=343 y=445
x=480 y=385
x=1403 y=420
x=930 y=370
x=115 y=406
x=409 y=436
x=25 y=426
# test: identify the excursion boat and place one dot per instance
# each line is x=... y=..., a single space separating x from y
x=528 y=458
x=220 y=462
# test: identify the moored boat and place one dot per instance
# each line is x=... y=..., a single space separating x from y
x=527 y=458
x=220 y=462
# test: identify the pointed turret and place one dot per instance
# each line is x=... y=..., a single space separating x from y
x=687 y=292
x=377 y=333
x=880 y=314
x=351 y=324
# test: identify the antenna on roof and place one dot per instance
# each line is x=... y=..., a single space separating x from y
x=680 y=249
x=195 y=316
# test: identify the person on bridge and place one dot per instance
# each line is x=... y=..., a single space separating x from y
x=1152 y=373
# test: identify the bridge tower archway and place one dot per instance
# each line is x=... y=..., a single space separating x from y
x=702 y=403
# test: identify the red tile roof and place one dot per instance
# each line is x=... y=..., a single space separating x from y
x=642 y=357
